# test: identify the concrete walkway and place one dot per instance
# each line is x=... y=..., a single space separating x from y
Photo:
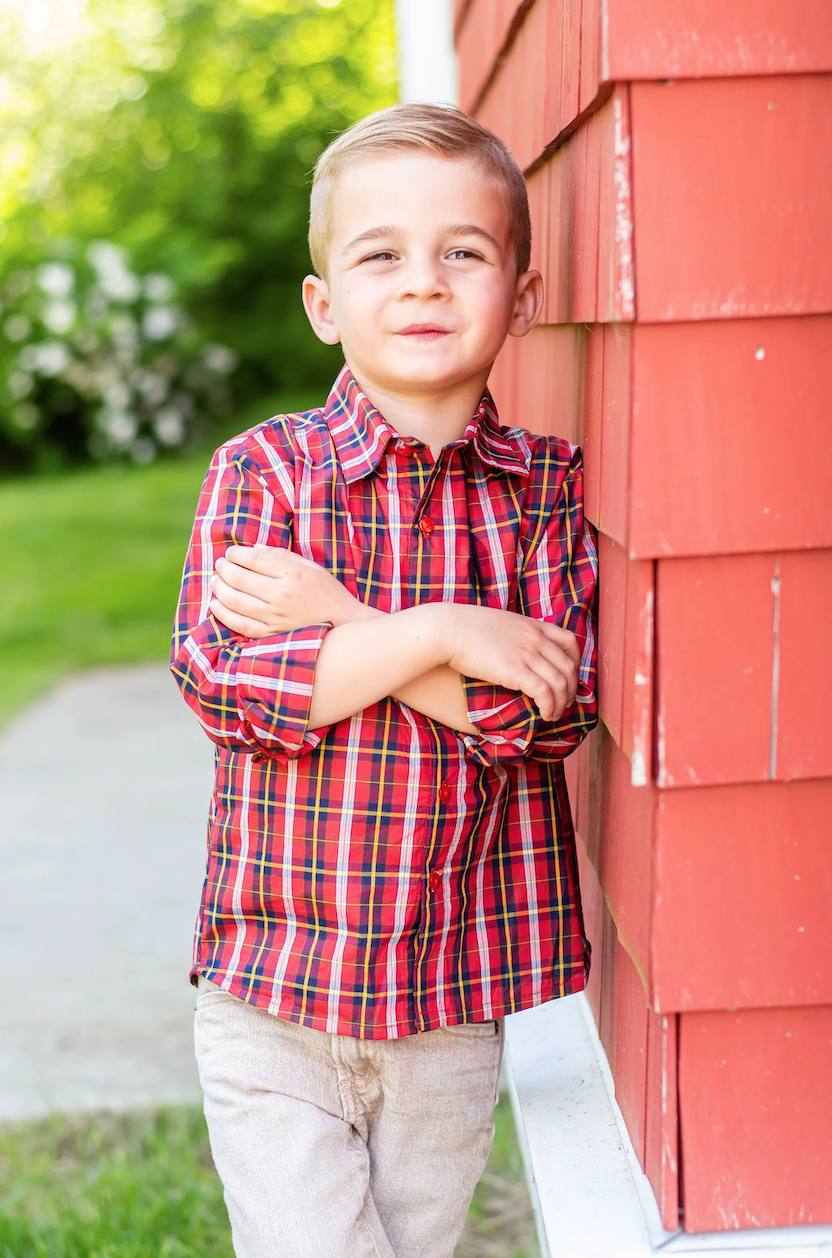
x=104 y=790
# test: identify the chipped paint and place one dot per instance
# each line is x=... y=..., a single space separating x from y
x=642 y=708
x=661 y=749
x=638 y=768
x=775 y=670
x=605 y=40
x=668 y=1143
x=625 y=292
x=733 y=305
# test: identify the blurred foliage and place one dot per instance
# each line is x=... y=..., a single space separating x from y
x=183 y=132
x=93 y=354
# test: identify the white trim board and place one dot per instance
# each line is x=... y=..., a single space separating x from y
x=427 y=60
x=591 y=1198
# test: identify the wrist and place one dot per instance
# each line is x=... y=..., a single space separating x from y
x=352 y=611
x=437 y=625
x=362 y=612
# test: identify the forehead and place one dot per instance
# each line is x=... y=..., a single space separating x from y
x=415 y=191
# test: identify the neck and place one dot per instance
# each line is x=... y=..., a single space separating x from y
x=436 y=418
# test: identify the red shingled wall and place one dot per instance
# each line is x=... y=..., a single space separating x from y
x=679 y=156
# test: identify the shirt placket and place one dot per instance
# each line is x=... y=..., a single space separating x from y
x=426 y=578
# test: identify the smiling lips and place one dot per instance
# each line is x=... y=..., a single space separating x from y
x=424 y=331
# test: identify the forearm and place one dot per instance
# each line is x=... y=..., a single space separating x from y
x=368 y=655
x=440 y=695
x=370 y=658
x=367 y=660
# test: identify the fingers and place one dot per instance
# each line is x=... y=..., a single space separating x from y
x=248 y=581
x=271 y=561
x=565 y=639
x=518 y=652
x=534 y=687
x=557 y=696
x=550 y=669
x=548 y=689
x=239 y=601
x=553 y=662
x=243 y=625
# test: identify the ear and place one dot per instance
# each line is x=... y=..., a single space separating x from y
x=528 y=303
x=318 y=306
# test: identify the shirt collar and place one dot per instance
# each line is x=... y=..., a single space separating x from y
x=361 y=434
x=496 y=446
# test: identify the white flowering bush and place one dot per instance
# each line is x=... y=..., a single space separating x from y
x=98 y=360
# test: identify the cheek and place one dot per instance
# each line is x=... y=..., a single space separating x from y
x=358 y=310
x=491 y=307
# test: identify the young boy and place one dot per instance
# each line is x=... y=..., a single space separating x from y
x=386 y=628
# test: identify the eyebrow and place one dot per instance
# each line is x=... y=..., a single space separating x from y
x=452 y=229
x=470 y=229
x=372 y=233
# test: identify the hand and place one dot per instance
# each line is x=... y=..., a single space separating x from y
x=516 y=652
x=260 y=590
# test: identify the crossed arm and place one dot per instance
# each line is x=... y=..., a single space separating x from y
x=417 y=656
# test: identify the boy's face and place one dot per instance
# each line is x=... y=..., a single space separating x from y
x=422 y=287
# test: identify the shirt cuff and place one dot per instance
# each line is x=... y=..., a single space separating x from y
x=275 y=677
x=506 y=721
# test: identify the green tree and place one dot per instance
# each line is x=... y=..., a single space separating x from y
x=184 y=131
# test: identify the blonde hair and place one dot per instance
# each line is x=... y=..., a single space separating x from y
x=438 y=129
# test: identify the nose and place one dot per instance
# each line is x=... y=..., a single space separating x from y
x=423 y=278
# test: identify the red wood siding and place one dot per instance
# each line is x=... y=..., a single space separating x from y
x=755 y=1095
x=693 y=39
x=743 y=202
x=722 y=410
x=481 y=37
x=803 y=733
x=679 y=163
x=544 y=375
x=715 y=658
x=740 y=904
x=583 y=225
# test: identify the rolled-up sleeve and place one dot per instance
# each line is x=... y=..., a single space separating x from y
x=558 y=585
x=246 y=693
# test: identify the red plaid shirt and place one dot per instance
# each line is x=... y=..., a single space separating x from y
x=385 y=875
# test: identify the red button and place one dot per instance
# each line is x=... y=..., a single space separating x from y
x=426 y=525
x=435 y=879
x=446 y=792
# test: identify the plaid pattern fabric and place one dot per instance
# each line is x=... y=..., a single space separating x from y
x=385 y=876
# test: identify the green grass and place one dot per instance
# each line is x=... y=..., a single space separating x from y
x=500 y=1221
x=91 y=564
x=111 y=1186
x=142 y=1185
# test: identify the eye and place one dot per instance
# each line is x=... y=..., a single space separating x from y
x=383 y=255
x=462 y=252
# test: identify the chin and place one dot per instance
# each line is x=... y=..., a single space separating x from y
x=427 y=370
x=425 y=379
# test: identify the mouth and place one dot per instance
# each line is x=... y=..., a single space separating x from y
x=424 y=332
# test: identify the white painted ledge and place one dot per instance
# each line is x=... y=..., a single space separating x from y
x=591 y=1198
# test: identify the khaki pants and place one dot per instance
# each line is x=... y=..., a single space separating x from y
x=333 y=1147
